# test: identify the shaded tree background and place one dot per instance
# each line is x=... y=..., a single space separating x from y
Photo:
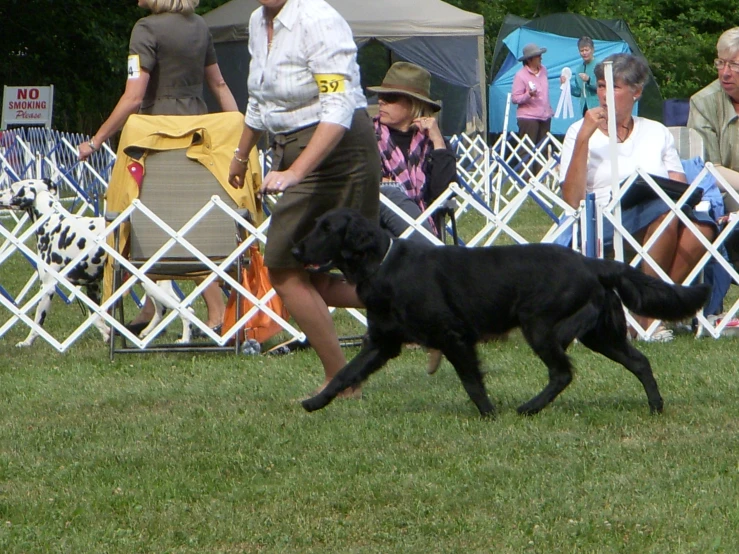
x=80 y=46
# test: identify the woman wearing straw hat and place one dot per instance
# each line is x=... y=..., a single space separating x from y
x=531 y=93
x=417 y=162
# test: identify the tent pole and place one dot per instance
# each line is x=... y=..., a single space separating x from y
x=483 y=83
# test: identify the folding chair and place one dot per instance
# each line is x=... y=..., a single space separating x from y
x=180 y=226
x=721 y=269
x=688 y=142
x=446 y=212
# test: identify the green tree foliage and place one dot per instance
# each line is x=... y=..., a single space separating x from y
x=80 y=46
x=678 y=37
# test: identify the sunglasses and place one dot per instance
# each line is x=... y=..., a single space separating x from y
x=389 y=97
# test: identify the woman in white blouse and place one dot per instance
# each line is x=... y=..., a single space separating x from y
x=304 y=90
x=644 y=144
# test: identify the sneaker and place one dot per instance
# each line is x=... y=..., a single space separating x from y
x=733 y=323
x=731 y=328
x=661 y=334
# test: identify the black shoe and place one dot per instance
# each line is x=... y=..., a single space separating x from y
x=292 y=345
x=136 y=328
x=198 y=333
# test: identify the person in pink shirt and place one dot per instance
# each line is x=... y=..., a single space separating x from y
x=531 y=94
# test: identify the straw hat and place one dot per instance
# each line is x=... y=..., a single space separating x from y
x=407 y=79
x=531 y=51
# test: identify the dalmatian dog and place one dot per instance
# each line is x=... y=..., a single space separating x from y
x=60 y=239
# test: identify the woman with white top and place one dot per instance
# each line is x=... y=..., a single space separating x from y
x=304 y=90
x=642 y=143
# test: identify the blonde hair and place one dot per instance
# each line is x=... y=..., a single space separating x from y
x=172 y=6
x=419 y=108
x=728 y=42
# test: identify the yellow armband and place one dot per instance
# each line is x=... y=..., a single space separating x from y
x=330 y=82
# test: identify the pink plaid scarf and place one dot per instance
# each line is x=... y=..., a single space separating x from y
x=394 y=166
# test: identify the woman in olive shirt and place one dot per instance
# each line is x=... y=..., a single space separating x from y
x=171 y=56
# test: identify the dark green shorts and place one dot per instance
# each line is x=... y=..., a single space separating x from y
x=349 y=177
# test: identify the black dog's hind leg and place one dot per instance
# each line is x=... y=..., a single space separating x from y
x=463 y=357
x=609 y=338
x=547 y=347
x=618 y=349
x=370 y=358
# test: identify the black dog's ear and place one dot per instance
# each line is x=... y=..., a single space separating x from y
x=358 y=239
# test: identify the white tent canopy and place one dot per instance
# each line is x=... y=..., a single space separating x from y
x=444 y=39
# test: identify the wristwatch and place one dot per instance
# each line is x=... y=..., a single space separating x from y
x=91 y=144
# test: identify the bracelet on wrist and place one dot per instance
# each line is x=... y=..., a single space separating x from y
x=91 y=144
x=242 y=161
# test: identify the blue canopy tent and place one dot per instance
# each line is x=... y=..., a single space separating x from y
x=561 y=52
x=558 y=33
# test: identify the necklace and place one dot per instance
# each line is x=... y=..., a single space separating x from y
x=628 y=128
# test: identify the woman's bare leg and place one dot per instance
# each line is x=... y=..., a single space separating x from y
x=310 y=311
x=145 y=313
x=689 y=251
x=662 y=252
x=336 y=291
x=213 y=298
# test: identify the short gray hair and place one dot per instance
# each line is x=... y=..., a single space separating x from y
x=172 y=6
x=585 y=41
x=630 y=69
x=729 y=42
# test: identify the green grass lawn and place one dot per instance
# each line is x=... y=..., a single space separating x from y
x=213 y=453
x=194 y=453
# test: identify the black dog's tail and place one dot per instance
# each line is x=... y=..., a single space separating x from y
x=649 y=296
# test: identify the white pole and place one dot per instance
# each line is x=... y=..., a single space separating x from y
x=618 y=246
x=504 y=137
x=505 y=124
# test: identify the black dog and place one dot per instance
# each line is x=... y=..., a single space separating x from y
x=449 y=298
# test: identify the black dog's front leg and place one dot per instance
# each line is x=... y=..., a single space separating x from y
x=370 y=359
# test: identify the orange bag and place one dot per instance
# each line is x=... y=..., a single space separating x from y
x=260 y=327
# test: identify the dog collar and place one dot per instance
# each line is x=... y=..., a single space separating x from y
x=389 y=248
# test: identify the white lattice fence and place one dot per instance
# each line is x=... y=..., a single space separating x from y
x=641 y=254
x=482 y=173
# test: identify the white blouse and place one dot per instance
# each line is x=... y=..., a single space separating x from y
x=309 y=73
x=650 y=147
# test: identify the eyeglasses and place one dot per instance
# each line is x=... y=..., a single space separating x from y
x=719 y=64
x=389 y=97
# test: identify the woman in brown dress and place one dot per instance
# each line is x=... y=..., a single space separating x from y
x=171 y=56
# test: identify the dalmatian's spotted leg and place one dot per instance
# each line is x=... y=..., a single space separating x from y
x=163 y=295
x=93 y=292
x=41 y=310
